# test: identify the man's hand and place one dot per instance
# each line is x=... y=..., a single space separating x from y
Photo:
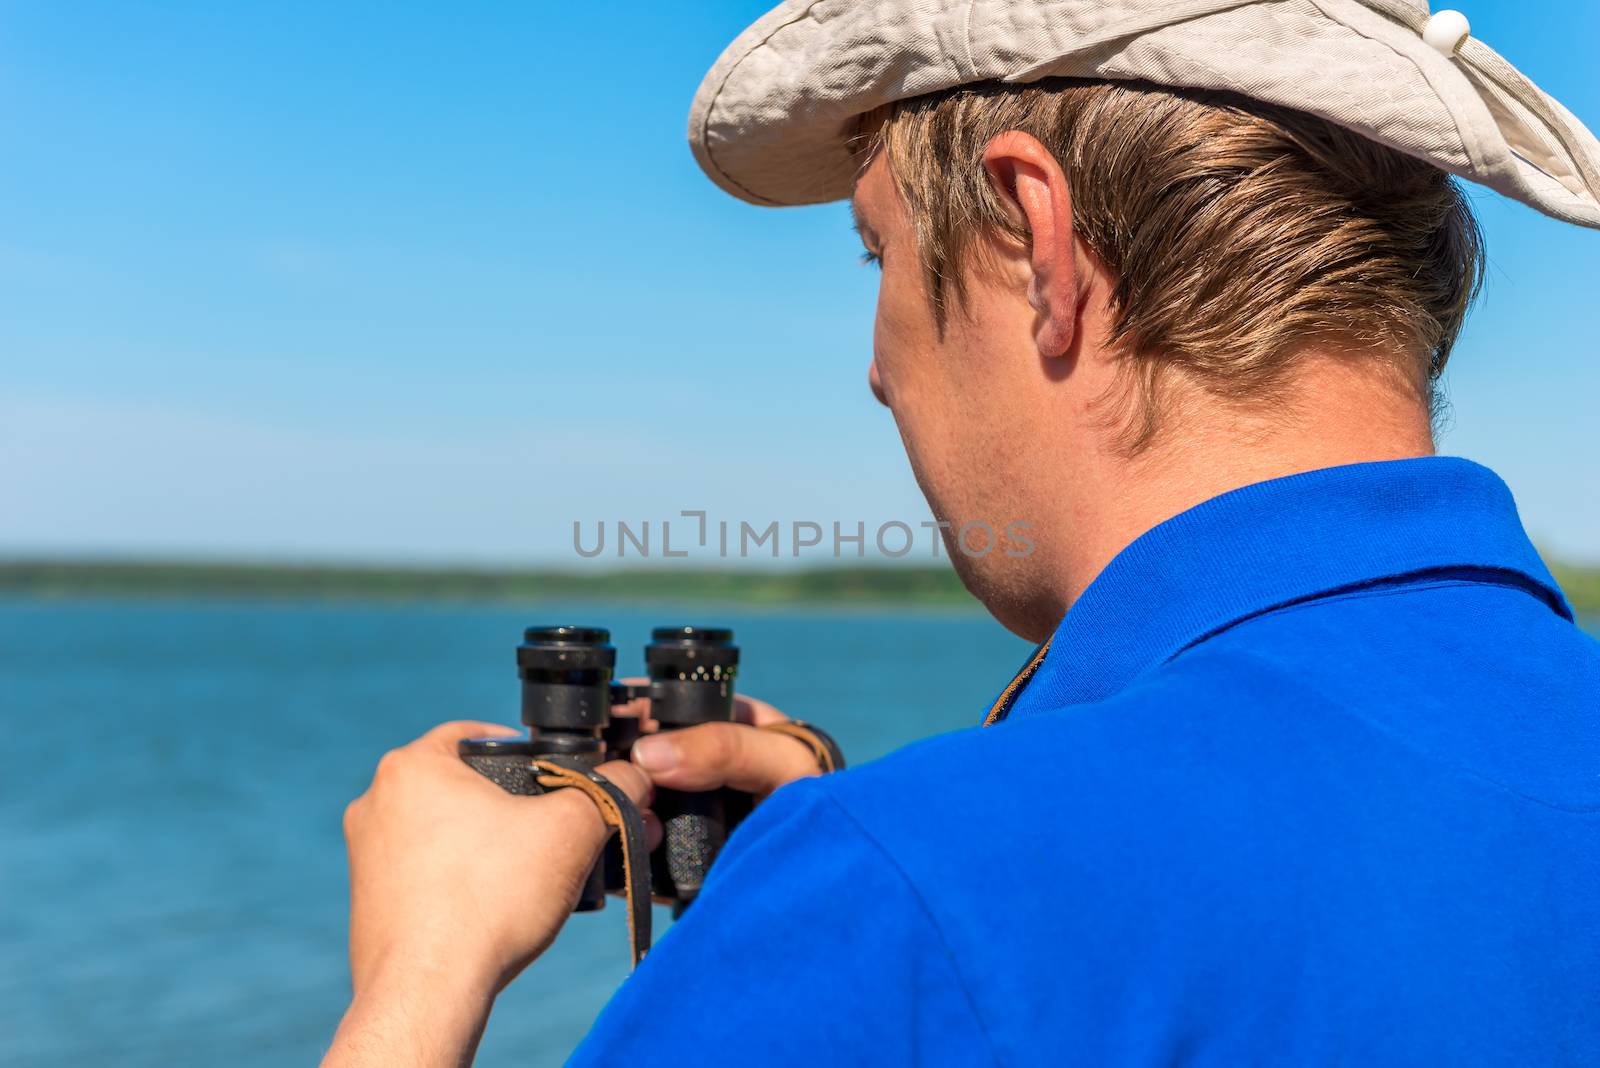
x=736 y=755
x=455 y=886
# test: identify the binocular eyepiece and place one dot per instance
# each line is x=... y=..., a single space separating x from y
x=567 y=676
x=568 y=692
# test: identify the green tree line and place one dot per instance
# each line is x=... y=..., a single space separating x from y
x=864 y=584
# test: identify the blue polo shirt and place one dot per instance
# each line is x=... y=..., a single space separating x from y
x=1309 y=775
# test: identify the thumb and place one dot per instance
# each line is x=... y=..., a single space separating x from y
x=445 y=736
x=723 y=754
x=637 y=785
x=630 y=780
x=585 y=828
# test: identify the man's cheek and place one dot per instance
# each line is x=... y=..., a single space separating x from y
x=875 y=382
x=895 y=341
x=886 y=343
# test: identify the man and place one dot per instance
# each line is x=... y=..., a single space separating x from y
x=1308 y=769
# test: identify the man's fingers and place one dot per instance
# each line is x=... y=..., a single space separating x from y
x=723 y=754
x=630 y=780
x=446 y=735
x=751 y=710
x=581 y=809
x=638 y=708
x=754 y=711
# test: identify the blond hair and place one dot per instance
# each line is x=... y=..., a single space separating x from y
x=1237 y=233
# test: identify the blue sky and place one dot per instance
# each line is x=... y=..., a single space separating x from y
x=395 y=281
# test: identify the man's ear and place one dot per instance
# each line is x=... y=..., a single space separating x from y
x=1027 y=177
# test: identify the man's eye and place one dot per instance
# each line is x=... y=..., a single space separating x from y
x=872 y=258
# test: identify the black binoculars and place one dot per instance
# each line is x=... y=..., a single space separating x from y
x=567 y=694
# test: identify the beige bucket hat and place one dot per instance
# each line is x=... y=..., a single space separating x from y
x=771 y=121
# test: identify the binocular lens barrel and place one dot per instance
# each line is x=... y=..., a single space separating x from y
x=691 y=673
x=566 y=677
x=566 y=703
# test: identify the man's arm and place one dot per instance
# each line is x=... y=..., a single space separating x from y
x=455 y=886
x=412 y=1016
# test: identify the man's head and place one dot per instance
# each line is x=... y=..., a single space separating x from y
x=1139 y=253
x=1080 y=277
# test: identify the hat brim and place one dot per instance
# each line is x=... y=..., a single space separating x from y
x=772 y=120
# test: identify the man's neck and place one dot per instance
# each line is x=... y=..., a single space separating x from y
x=1336 y=413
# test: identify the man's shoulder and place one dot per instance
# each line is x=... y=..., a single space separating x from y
x=1069 y=782
x=1159 y=725
x=1235 y=763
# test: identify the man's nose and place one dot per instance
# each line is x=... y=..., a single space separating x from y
x=876 y=383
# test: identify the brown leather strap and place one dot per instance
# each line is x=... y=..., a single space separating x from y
x=827 y=752
x=1002 y=704
x=620 y=813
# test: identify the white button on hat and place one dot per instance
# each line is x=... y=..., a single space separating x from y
x=1445 y=31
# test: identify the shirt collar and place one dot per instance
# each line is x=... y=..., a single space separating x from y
x=1274 y=543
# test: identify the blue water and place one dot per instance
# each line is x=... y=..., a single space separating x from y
x=173 y=777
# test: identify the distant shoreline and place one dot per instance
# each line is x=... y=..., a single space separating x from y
x=866 y=584
x=1580 y=584
x=856 y=585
